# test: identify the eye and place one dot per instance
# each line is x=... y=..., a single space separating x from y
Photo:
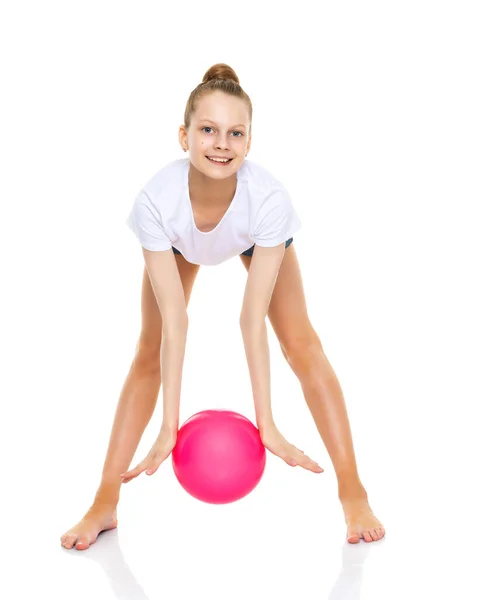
x=240 y=132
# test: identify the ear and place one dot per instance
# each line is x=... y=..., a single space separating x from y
x=182 y=136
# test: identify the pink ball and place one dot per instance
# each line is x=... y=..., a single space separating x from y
x=219 y=456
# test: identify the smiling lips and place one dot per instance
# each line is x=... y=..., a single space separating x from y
x=219 y=160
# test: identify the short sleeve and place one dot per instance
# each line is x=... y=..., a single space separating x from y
x=145 y=222
x=276 y=220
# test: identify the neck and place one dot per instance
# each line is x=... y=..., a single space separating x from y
x=208 y=192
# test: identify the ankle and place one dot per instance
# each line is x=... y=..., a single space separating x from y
x=104 y=504
x=350 y=488
x=108 y=494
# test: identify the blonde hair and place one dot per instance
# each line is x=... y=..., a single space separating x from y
x=219 y=77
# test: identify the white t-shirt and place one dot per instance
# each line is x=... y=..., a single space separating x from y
x=260 y=213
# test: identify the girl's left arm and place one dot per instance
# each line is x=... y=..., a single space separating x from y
x=262 y=276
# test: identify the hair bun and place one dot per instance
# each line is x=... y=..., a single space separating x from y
x=220 y=71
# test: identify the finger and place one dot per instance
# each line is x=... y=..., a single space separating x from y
x=153 y=467
x=293 y=461
x=128 y=479
x=310 y=464
x=129 y=475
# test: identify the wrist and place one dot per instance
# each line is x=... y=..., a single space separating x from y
x=265 y=424
x=170 y=427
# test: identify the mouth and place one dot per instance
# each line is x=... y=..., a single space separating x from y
x=218 y=162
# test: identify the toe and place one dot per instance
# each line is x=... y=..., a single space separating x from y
x=82 y=543
x=353 y=537
x=68 y=541
x=374 y=534
x=367 y=537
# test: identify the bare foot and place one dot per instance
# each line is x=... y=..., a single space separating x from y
x=83 y=534
x=361 y=521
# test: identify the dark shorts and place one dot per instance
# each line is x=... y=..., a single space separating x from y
x=248 y=252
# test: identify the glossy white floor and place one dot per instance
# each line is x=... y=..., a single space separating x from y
x=412 y=434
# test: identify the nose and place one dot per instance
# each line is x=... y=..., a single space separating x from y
x=222 y=142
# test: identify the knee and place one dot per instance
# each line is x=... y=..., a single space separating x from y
x=147 y=355
x=304 y=353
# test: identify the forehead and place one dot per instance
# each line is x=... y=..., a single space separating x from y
x=222 y=109
x=205 y=120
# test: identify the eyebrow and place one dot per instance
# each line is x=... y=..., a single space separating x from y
x=210 y=121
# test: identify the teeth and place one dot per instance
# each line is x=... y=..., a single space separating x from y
x=223 y=160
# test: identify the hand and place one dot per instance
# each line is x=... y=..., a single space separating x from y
x=160 y=451
x=277 y=444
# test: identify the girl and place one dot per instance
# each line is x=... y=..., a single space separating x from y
x=212 y=206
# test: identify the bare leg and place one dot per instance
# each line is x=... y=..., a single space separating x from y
x=137 y=402
x=304 y=353
x=326 y=403
x=135 y=407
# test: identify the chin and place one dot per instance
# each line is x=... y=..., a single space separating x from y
x=219 y=172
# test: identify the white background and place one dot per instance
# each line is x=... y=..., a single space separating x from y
x=367 y=112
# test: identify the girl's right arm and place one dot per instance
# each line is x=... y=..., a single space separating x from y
x=168 y=289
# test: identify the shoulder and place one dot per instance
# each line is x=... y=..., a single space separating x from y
x=265 y=188
x=260 y=178
x=263 y=185
x=168 y=179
